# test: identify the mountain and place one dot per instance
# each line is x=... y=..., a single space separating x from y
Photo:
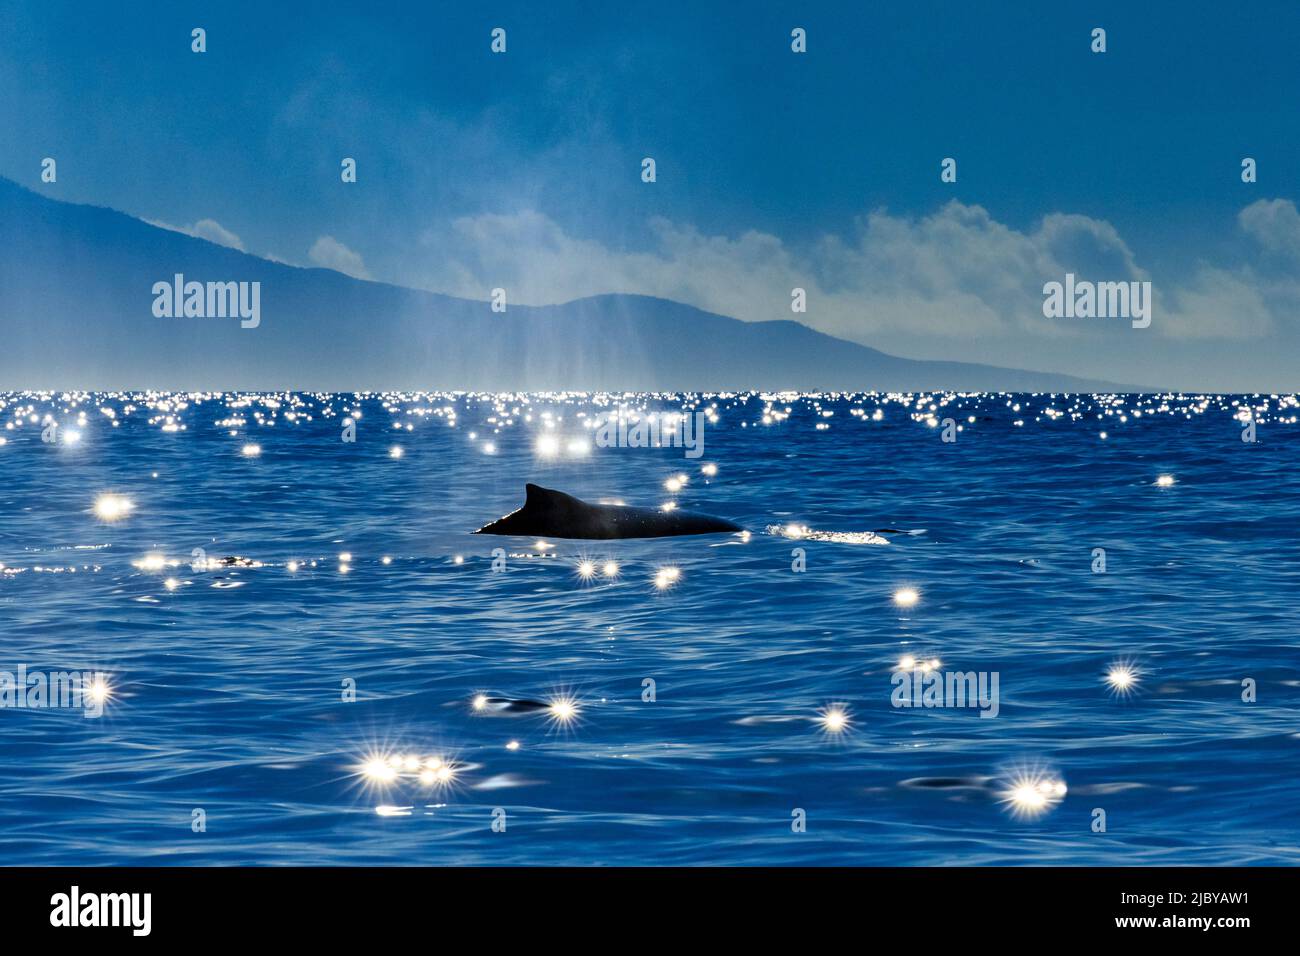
x=77 y=312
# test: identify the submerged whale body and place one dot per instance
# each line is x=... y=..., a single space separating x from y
x=553 y=514
x=510 y=705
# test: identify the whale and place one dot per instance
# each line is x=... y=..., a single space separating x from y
x=553 y=514
x=510 y=705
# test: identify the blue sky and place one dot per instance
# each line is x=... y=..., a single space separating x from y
x=523 y=169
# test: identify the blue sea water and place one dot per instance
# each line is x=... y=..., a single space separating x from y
x=228 y=683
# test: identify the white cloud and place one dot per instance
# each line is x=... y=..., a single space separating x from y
x=1255 y=298
x=332 y=254
x=1275 y=225
x=213 y=231
x=208 y=229
x=957 y=274
x=1218 y=303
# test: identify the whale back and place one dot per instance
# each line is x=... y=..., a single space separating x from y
x=553 y=514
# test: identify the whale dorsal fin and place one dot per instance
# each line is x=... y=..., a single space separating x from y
x=535 y=496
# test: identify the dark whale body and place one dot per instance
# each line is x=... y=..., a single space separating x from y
x=553 y=514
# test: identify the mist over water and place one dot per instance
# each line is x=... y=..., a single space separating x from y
x=356 y=564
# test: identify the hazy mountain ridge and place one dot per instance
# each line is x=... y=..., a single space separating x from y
x=76 y=311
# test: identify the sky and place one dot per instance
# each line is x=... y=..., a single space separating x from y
x=774 y=170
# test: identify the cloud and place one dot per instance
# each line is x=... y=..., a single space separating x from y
x=332 y=254
x=208 y=229
x=1219 y=303
x=213 y=231
x=957 y=273
x=1275 y=225
x=1256 y=298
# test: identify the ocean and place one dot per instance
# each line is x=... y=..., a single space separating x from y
x=303 y=655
